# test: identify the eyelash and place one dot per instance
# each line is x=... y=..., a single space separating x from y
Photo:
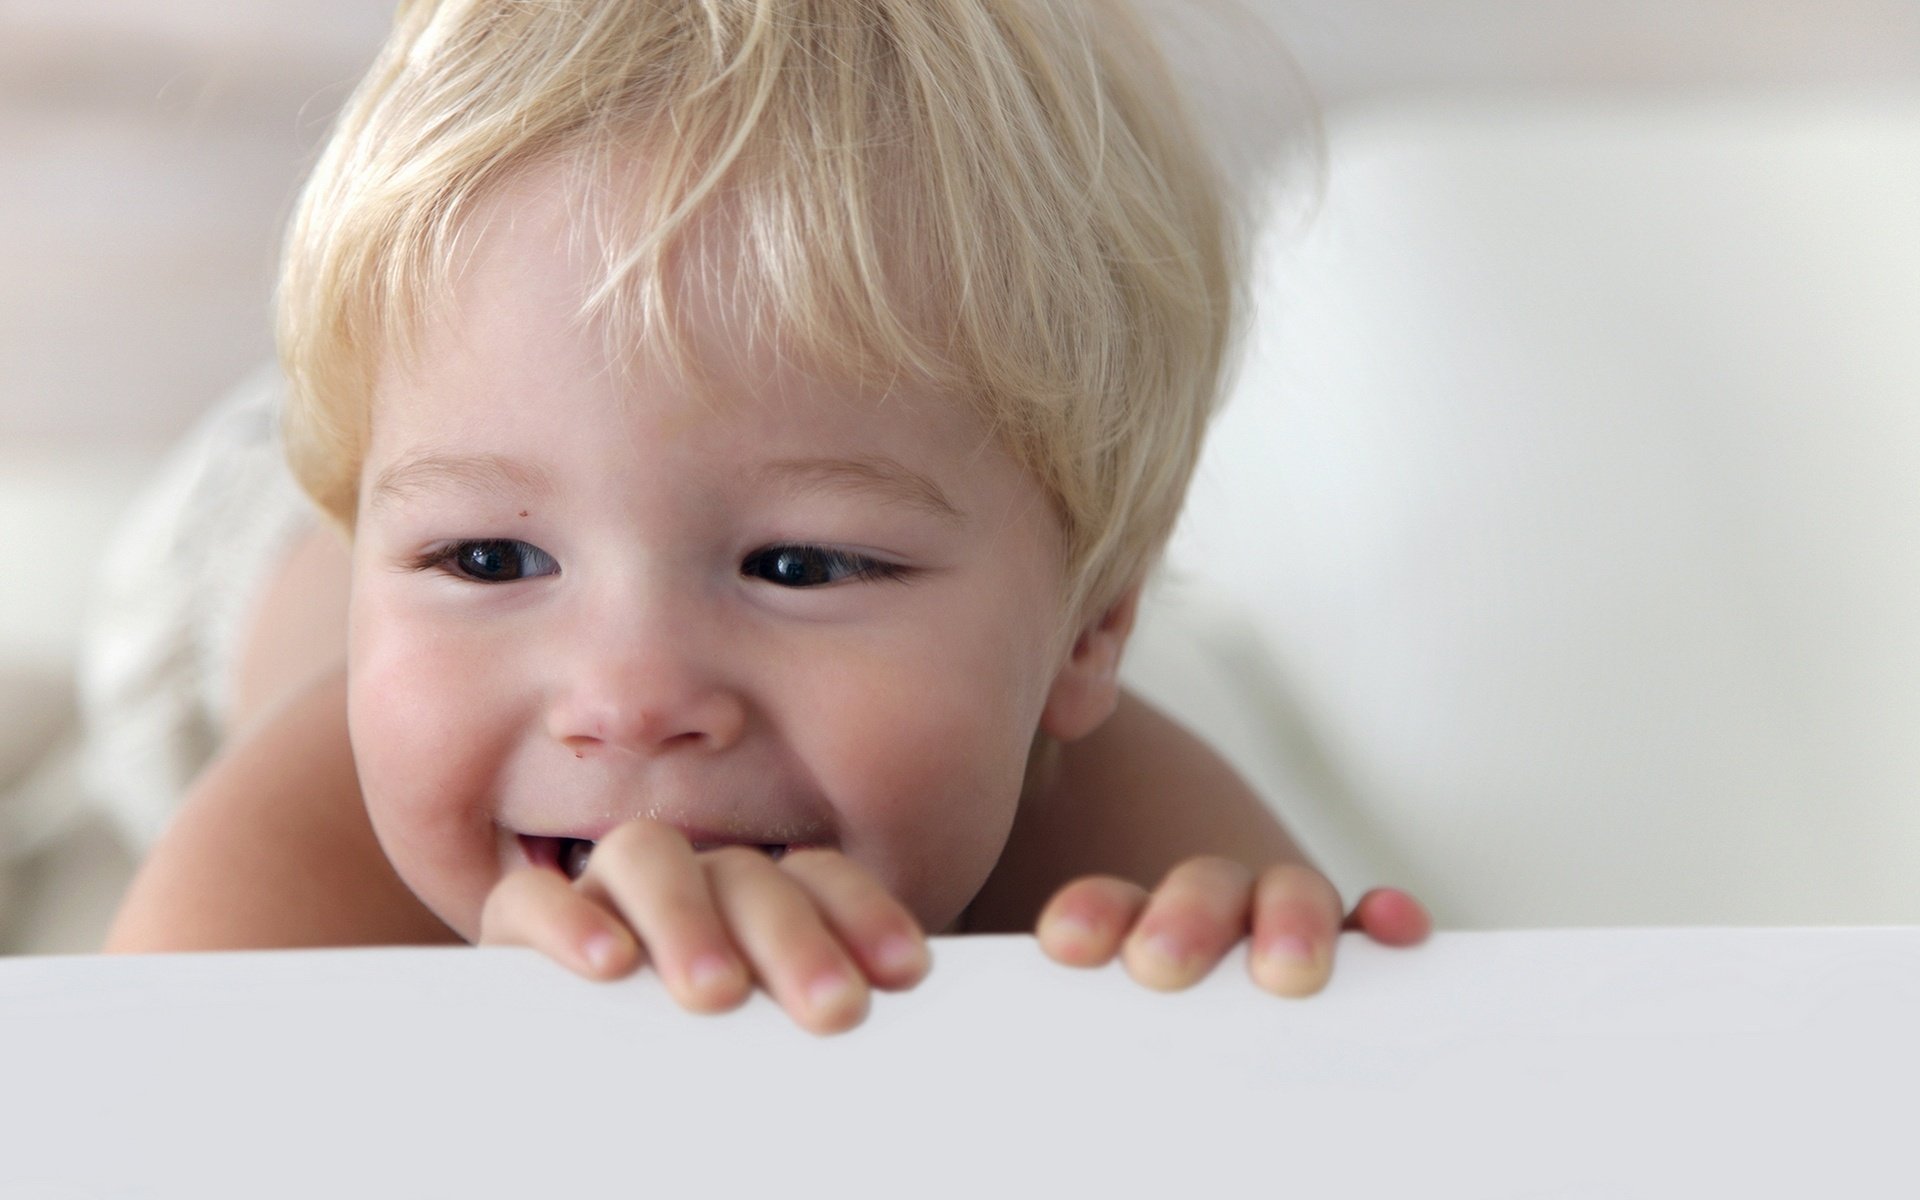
x=446 y=559
x=857 y=567
x=854 y=567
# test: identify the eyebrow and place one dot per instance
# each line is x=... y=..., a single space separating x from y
x=875 y=475
x=491 y=474
x=485 y=474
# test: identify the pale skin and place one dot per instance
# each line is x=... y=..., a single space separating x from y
x=656 y=692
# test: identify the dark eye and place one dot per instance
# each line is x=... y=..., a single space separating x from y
x=812 y=566
x=495 y=560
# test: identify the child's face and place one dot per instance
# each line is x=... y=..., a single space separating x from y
x=801 y=614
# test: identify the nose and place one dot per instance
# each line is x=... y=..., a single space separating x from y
x=644 y=683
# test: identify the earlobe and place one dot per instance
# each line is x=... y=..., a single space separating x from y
x=1087 y=687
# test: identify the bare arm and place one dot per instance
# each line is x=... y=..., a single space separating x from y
x=1131 y=799
x=273 y=848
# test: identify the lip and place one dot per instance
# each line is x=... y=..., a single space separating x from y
x=809 y=834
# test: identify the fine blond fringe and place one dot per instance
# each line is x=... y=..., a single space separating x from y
x=1004 y=197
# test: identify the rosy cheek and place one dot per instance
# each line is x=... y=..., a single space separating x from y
x=926 y=768
x=398 y=699
x=425 y=770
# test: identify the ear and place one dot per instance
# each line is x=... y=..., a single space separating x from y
x=1087 y=688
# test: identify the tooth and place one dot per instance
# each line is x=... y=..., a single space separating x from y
x=573 y=856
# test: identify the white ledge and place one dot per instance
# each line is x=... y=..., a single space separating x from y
x=1573 y=1063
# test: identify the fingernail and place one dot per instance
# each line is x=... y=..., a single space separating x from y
x=831 y=995
x=1160 y=961
x=711 y=973
x=599 y=949
x=1287 y=965
x=1288 y=949
x=901 y=955
x=1166 y=950
x=1071 y=927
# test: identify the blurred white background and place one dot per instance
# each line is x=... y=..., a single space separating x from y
x=1569 y=484
x=151 y=153
x=148 y=156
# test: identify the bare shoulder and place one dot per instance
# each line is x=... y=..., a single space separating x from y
x=297 y=631
x=1133 y=798
x=272 y=848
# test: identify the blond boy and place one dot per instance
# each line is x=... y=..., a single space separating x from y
x=754 y=421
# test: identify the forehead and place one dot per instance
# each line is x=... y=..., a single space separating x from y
x=517 y=357
x=534 y=289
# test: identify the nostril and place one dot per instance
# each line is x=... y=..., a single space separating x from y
x=583 y=744
x=606 y=719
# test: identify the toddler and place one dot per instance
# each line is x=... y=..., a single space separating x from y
x=754 y=421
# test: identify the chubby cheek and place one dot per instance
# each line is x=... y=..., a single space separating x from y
x=926 y=768
x=428 y=751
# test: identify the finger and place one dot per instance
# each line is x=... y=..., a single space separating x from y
x=1193 y=917
x=1084 y=923
x=539 y=908
x=1296 y=919
x=1391 y=917
x=876 y=929
x=783 y=935
x=648 y=873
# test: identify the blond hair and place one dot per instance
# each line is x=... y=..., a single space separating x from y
x=1005 y=196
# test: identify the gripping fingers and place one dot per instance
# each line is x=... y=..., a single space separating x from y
x=782 y=933
x=1296 y=917
x=650 y=875
x=539 y=908
x=1082 y=926
x=1197 y=912
x=877 y=929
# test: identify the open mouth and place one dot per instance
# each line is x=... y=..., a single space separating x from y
x=569 y=855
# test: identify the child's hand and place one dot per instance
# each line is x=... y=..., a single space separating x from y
x=813 y=928
x=1172 y=938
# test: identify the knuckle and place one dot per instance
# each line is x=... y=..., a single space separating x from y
x=1098 y=899
x=798 y=934
x=1209 y=905
x=837 y=880
x=1211 y=872
x=875 y=923
x=1184 y=926
x=1197 y=919
x=1102 y=886
x=1298 y=884
x=680 y=916
x=501 y=916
